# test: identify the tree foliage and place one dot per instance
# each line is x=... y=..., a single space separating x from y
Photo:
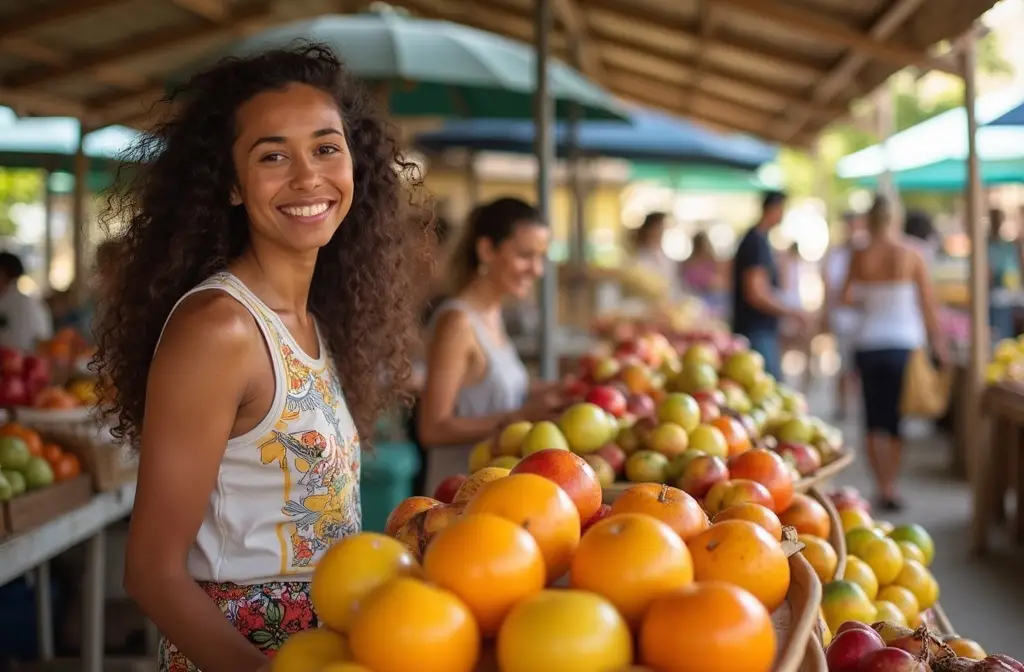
x=17 y=185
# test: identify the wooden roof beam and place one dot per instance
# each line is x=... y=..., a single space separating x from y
x=25 y=22
x=214 y=11
x=846 y=70
x=827 y=30
x=39 y=103
x=488 y=18
x=240 y=23
x=708 y=24
x=575 y=23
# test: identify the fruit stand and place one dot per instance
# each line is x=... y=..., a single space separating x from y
x=1003 y=403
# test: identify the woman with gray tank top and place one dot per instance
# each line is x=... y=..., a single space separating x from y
x=475 y=382
x=888 y=283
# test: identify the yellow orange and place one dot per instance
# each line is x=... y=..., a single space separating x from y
x=744 y=554
x=311 y=650
x=821 y=556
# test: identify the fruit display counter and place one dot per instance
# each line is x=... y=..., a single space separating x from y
x=526 y=570
x=1003 y=403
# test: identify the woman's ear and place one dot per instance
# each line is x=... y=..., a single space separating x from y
x=485 y=251
x=236 y=198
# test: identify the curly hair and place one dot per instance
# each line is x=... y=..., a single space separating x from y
x=171 y=217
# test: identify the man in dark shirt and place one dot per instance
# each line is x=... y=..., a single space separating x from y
x=756 y=310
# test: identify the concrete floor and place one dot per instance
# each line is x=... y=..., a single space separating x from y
x=983 y=597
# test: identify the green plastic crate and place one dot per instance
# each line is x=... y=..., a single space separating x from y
x=387 y=479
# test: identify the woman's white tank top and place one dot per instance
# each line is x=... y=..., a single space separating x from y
x=891 y=316
x=289 y=488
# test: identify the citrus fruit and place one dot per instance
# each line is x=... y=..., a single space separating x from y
x=670 y=505
x=344 y=667
x=490 y=563
x=562 y=630
x=733 y=491
x=852 y=518
x=889 y=612
x=858 y=537
x=742 y=553
x=480 y=456
x=707 y=627
x=808 y=516
x=884 y=526
x=405 y=510
x=310 y=650
x=820 y=555
x=860 y=573
x=916 y=578
x=768 y=469
x=918 y=536
x=407 y=624
x=630 y=559
x=911 y=551
x=350 y=570
x=542 y=509
x=904 y=600
x=477 y=480
x=842 y=601
x=966 y=648
x=755 y=513
x=884 y=558
x=736 y=436
x=419 y=531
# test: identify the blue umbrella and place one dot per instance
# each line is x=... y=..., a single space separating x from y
x=1014 y=117
x=650 y=136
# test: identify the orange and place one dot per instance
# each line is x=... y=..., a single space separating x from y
x=736 y=435
x=916 y=578
x=344 y=667
x=821 y=556
x=889 y=612
x=853 y=518
x=707 y=627
x=742 y=553
x=768 y=469
x=808 y=516
x=966 y=648
x=52 y=453
x=407 y=624
x=350 y=570
x=755 y=513
x=670 y=505
x=910 y=551
x=405 y=510
x=904 y=600
x=67 y=467
x=542 y=509
x=630 y=559
x=311 y=651
x=563 y=630
x=843 y=601
x=489 y=563
x=860 y=573
x=858 y=537
x=884 y=558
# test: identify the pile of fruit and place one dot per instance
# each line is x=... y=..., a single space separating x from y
x=26 y=381
x=26 y=463
x=1007 y=361
x=890 y=647
x=527 y=571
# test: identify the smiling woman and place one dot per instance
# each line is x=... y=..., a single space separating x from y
x=257 y=322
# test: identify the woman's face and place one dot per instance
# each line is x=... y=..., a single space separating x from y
x=515 y=264
x=293 y=167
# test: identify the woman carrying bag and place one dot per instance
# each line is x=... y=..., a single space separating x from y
x=888 y=282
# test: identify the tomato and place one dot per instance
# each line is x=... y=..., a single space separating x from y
x=67 y=467
x=52 y=453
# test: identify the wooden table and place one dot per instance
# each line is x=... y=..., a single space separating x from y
x=1003 y=466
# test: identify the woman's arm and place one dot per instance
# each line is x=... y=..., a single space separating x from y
x=847 y=298
x=198 y=380
x=929 y=307
x=448 y=357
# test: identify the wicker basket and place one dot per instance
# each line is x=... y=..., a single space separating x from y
x=836 y=537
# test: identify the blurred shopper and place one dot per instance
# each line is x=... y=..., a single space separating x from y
x=1004 y=262
x=758 y=305
x=921 y=235
x=649 y=254
x=793 y=334
x=702 y=276
x=24 y=320
x=888 y=282
x=476 y=383
x=841 y=320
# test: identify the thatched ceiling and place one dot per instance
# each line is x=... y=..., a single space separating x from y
x=780 y=69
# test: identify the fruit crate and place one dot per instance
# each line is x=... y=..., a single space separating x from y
x=38 y=507
x=109 y=462
x=836 y=537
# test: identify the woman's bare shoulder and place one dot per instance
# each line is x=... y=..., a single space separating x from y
x=212 y=318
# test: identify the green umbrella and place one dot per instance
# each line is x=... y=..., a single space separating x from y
x=697 y=178
x=437 y=68
x=51 y=142
x=951 y=175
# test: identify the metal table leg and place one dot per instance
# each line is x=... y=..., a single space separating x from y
x=44 y=612
x=93 y=604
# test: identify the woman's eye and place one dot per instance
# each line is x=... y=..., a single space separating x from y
x=272 y=157
x=327 y=149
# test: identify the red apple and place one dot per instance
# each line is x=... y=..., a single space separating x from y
x=701 y=473
x=608 y=398
x=634 y=348
x=849 y=648
x=576 y=388
x=446 y=489
x=848 y=498
x=602 y=513
x=614 y=456
x=641 y=405
x=709 y=410
x=570 y=472
x=12 y=362
x=13 y=392
x=36 y=371
x=802 y=456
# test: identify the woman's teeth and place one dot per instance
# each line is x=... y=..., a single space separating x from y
x=306 y=210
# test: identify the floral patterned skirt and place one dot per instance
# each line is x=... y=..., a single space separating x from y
x=266 y=614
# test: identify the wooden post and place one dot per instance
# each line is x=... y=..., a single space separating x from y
x=543 y=120
x=978 y=460
x=80 y=220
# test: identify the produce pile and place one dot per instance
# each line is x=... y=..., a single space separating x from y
x=27 y=463
x=700 y=414
x=880 y=610
x=1007 y=361
x=26 y=380
x=528 y=571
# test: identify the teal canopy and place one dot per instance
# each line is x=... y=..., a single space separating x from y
x=951 y=175
x=435 y=68
x=943 y=138
x=698 y=178
x=51 y=143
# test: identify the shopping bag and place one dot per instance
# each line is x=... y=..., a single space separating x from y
x=926 y=389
